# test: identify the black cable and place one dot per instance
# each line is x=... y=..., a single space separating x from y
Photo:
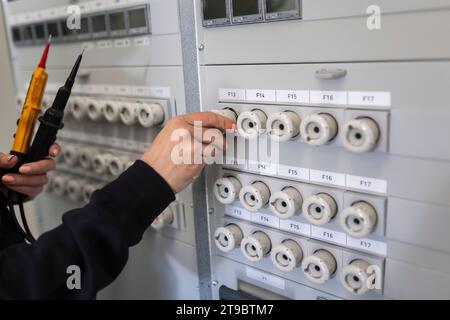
x=24 y=220
x=4 y=206
x=14 y=217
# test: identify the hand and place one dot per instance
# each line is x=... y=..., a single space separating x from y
x=33 y=176
x=159 y=155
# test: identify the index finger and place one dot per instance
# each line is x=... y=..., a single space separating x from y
x=39 y=167
x=210 y=120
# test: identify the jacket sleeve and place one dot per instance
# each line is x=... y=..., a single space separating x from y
x=94 y=239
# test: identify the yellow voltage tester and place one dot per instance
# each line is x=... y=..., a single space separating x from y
x=31 y=108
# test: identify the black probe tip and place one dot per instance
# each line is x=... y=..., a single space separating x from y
x=73 y=73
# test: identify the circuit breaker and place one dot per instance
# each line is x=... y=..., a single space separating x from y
x=351 y=200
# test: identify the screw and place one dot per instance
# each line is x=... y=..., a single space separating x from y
x=215 y=283
x=211 y=210
x=201 y=47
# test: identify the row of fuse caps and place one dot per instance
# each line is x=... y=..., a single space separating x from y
x=113 y=111
x=318 y=263
x=358 y=220
x=358 y=135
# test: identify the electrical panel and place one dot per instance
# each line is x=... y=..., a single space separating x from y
x=131 y=83
x=336 y=185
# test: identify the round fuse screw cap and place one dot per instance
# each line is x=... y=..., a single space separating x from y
x=287 y=255
x=318 y=129
x=355 y=277
x=319 y=267
x=283 y=126
x=359 y=219
x=228 y=238
x=319 y=209
x=251 y=124
x=256 y=246
x=255 y=196
x=226 y=190
x=286 y=203
x=360 y=135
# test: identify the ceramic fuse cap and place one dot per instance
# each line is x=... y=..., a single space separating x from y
x=70 y=154
x=150 y=114
x=318 y=129
x=287 y=255
x=111 y=111
x=86 y=157
x=79 y=107
x=227 y=189
x=254 y=197
x=227 y=238
x=358 y=220
x=101 y=162
x=286 y=203
x=319 y=267
x=283 y=126
x=251 y=124
x=355 y=277
x=256 y=246
x=75 y=189
x=117 y=165
x=128 y=113
x=360 y=135
x=319 y=209
x=59 y=185
x=95 y=109
x=88 y=190
x=227 y=113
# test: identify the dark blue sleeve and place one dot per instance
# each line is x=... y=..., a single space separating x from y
x=95 y=238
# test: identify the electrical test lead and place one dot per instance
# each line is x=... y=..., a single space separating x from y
x=25 y=129
x=52 y=120
x=51 y=123
x=32 y=106
x=30 y=112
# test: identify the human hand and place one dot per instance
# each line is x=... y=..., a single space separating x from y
x=160 y=154
x=33 y=176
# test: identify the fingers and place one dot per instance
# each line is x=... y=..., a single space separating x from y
x=17 y=180
x=7 y=161
x=210 y=120
x=37 y=168
x=54 y=151
x=30 y=192
x=213 y=137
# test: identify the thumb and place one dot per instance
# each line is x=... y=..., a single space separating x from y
x=7 y=161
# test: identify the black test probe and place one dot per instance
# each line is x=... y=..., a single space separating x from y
x=50 y=123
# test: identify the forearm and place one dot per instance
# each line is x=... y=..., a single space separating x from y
x=95 y=238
